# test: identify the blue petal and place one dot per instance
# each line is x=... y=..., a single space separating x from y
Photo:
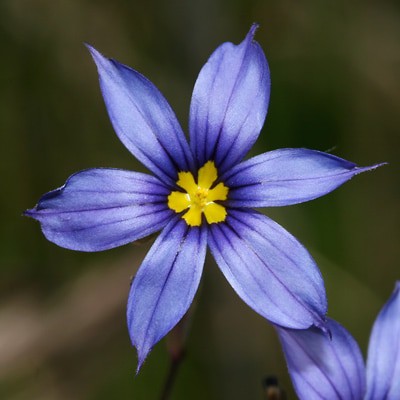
x=165 y=285
x=143 y=119
x=229 y=103
x=322 y=367
x=287 y=176
x=98 y=209
x=269 y=269
x=383 y=362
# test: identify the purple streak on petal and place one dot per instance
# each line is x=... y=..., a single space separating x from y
x=322 y=367
x=287 y=176
x=143 y=119
x=229 y=103
x=383 y=362
x=269 y=269
x=165 y=285
x=98 y=209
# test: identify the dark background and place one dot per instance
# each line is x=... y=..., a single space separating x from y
x=335 y=85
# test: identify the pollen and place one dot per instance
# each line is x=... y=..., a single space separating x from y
x=198 y=198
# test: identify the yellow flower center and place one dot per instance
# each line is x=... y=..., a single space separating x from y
x=199 y=197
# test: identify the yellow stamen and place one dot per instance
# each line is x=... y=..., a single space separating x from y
x=199 y=197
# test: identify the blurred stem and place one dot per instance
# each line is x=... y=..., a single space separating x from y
x=171 y=377
x=176 y=347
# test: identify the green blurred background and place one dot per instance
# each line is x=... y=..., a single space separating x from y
x=335 y=84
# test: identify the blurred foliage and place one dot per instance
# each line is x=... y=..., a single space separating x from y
x=335 y=85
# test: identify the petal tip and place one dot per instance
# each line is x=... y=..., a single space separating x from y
x=253 y=29
x=322 y=325
x=91 y=49
x=100 y=60
x=142 y=353
x=88 y=46
x=139 y=366
x=359 y=170
x=30 y=212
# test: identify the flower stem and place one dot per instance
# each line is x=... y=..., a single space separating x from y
x=174 y=365
x=176 y=347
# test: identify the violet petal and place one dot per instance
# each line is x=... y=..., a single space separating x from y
x=229 y=103
x=287 y=176
x=165 y=284
x=269 y=269
x=143 y=119
x=98 y=209
x=383 y=362
x=324 y=367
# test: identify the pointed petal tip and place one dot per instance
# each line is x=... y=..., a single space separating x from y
x=253 y=29
x=370 y=168
x=91 y=49
x=28 y=213
x=96 y=55
x=323 y=326
x=249 y=39
x=31 y=212
x=142 y=353
x=99 y=59
x=88 y=46
x=139 y=364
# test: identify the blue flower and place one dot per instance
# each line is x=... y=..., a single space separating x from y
x=201 y=194
x=333 y=368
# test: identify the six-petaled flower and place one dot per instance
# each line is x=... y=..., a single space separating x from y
x=202 y=193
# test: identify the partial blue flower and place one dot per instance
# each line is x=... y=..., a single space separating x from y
x=383 y=360
x=201 y=194
x=323 y=367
